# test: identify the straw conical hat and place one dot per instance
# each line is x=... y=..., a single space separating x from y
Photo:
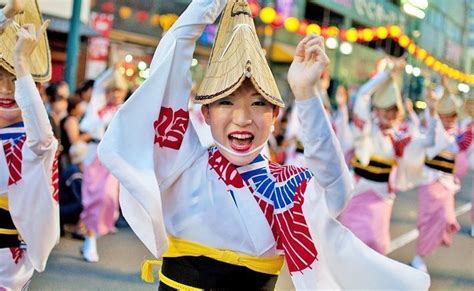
x=388 y=95
x=236 y=55
x=448 y=105
x=40 y=61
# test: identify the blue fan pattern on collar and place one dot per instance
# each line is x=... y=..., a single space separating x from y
x=13 y=131
x=276 y=183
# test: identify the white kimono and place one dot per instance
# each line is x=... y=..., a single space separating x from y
x=174 y=186
x=28 y=178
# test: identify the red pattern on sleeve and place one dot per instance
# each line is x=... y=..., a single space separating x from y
x=14 y=157
x=465 y=141
x=357 y=121
x=170 y=127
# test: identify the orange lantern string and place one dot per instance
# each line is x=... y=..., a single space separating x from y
x=268 y=30
x=351 y=35
x=457 y=74
x=429 y=61
x=313 y=28
x=381 y=32
x=437 y=65
x=403 y=41
x=421 y=53
x=278 y=21
x=303 y=27
x=268 y=15
x=254 y=9
x=411 y=48
x=367 y=34
x=155 y=20
x=142 y=16
x=292 y=24
x=324 y=32
x=125 y=12
x=332 y=31
x=167 y=20
x=443 y=69
x=395 y=31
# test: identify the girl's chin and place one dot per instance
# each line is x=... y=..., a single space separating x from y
x=238 y=160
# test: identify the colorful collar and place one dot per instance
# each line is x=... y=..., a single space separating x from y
x=12 y=131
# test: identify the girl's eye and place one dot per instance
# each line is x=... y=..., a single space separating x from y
x=225 y=102
x=259 y=103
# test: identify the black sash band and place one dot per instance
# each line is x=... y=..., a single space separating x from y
x=6 y=223
x=209 y=274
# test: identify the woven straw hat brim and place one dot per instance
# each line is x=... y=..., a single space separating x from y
x=237 y=55
x=387 y=96
x=40 y=60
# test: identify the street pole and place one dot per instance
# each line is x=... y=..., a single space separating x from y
x=73 y=42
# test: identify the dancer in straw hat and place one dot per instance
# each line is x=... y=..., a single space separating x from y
x=381 y=142
x=100 y=190
x=29 y=214
x=437 y=221
x=226 y=217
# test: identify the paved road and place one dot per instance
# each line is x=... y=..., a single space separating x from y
x=121 y=255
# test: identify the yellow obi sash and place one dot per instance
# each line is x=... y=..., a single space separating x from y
x=4 y=203
x=180 y=248
x=444 y=161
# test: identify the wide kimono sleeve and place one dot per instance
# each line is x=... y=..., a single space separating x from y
x=33 y=199
x=150 y=141
x=343 y=129
x=343 y=261
x=323 y=154
x=362 y=117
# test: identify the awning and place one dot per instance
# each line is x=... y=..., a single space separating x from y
x=61 y=25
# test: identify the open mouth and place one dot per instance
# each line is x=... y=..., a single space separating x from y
x=7 y=103
x=241 y=141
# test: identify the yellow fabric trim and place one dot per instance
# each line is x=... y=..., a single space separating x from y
x=176 y=285
x=4 y=202
x=443 y=164
x=9 y=231
x=147 y=270
x=268 y=265
x=371 y=169
x=447 y=155
x=380 y=159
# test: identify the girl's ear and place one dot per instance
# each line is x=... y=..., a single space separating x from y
x=276 y=111
x=205 y=113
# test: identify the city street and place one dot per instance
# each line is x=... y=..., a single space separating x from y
x=121 y=255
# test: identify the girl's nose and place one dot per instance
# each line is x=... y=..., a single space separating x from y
x=242 y=117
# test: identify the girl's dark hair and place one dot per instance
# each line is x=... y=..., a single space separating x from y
x=72 y=103
x=85 y=86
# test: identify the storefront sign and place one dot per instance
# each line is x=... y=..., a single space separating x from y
x=98 y=47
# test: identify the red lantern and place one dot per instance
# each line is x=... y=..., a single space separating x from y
x=142 y=16
x=278 y=22
x=255 y=9
x=303 y=27
x=108 y=7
